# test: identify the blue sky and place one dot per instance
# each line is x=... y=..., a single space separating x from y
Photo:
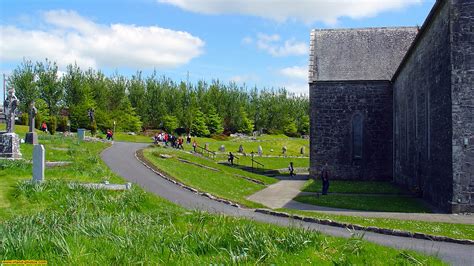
x=261 y=43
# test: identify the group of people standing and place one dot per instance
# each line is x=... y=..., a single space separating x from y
x=170 y=139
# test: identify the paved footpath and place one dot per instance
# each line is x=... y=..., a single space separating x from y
x=121 y=159
x=282 y=193
x=279 y=194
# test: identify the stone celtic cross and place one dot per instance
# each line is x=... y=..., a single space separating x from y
x=11 y=104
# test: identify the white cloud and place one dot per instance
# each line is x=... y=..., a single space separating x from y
x=244 y=78
x=308 y=11
x=247 y=40
x=298 y=88
x=273 y=45
x=72 y=38
x=295 y=72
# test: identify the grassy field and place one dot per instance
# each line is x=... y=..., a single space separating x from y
x=133 y=227
x=272 y=163
x=53 y=222
x=367 y=203
x=86 y=166
x=268 y=143
x=223 y=183
x=357 y=187
x=460 y=231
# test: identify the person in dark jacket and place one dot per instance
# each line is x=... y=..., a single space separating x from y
x=325 y=175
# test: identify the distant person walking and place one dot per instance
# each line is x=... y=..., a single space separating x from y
x=230 y=159
x=325 y=175
x=109 y=134
x=194 y=145
x=291 y=169
x=44 y=127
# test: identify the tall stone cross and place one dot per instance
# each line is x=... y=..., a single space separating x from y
x=31 y=136
x=11 y=104
x=33 y=112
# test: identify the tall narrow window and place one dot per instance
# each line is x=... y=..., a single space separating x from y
x=407 y=137
x=428 y=124
x=357 y=135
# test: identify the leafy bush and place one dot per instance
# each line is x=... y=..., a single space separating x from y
x=52 y=125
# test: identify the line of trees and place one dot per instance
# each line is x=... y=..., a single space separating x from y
x=153 y=102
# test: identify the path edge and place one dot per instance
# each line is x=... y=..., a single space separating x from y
x=385 y=231
x=394 y=232
x=141 y=158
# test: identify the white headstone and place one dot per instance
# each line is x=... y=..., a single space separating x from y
x=222 y=148
x=260 y=150
x=38 y=163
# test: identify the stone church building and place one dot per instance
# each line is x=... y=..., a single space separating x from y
x=398 y=104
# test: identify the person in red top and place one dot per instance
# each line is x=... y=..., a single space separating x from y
x=110 y=134
x=44 y=127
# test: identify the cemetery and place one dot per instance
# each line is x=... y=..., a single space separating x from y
x=371 y=168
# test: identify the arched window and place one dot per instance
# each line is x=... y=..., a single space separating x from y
x=357 y=135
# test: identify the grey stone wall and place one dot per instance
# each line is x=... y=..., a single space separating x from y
x=433 y=110
x=358 y=54
x=332 y=108
x=462 y=56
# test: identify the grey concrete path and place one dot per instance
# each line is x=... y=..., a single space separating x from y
x=279 y=194
x=121 y=159
x=282 y=193
x=428 y=217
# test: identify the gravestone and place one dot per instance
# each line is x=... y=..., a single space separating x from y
x=9 y=141
x=206 y=146
x=222 y=148
x=283 y=150
x=31 y=136
x=302 y=150
x=241 y=148
x=260 y=150
x=81 y=132
x=38 y=163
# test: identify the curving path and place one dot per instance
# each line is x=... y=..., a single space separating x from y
x=121 y=159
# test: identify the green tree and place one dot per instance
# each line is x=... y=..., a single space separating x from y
x=170 y=123
x=199 y=127
x=48 y=84
x=23 y=80
x=214 y=122
x=304 y=124
x=290 y=128
x=246 y=124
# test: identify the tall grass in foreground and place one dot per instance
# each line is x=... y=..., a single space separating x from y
x=97 y=227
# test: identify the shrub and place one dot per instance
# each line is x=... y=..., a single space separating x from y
x=62 y=124
x=52 y=125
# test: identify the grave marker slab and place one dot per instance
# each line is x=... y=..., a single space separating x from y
x=38 y=163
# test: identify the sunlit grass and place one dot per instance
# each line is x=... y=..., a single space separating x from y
x=455 y=230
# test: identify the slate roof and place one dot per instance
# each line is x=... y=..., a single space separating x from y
x=358 y=54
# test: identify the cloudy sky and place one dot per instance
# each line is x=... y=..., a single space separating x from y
x=261 y=43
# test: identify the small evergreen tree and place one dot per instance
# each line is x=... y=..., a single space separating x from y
x=214 y=122
x=170 y=123
x=199 y=127
x=246 y=124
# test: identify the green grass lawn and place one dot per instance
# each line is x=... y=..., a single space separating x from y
x=268 y=143
x=460 y=231
x=122 y=136
x=273 y=162
x=86 y=166
x=356 y=187
x=52 y=222
x=224 y=184
x=367 y=203
x=132 y=227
